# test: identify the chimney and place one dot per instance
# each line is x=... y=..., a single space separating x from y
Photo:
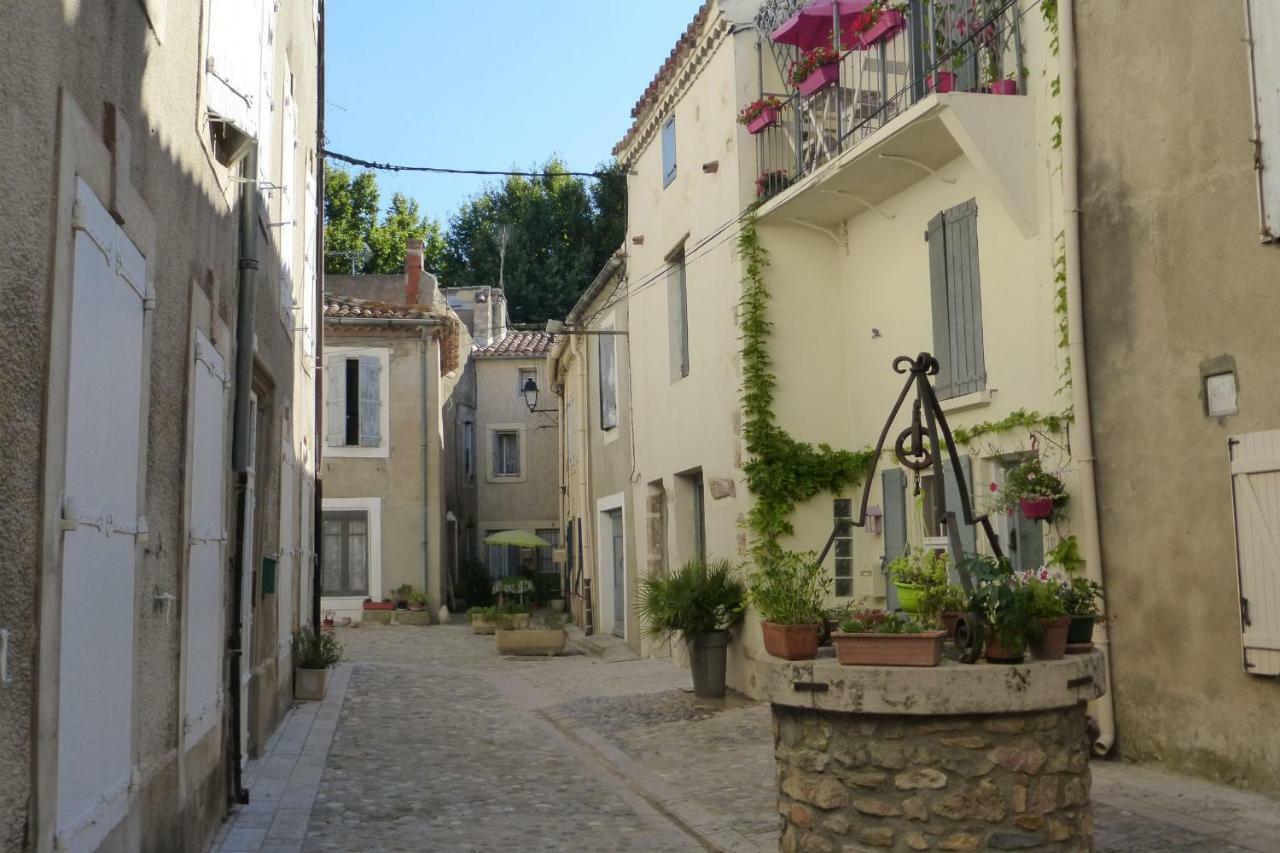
x=412 y=272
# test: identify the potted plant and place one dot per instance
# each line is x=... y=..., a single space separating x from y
x=1006 y=607
x=1037 y=493
x=313 y=655
x=1049 y=640
x=547 y=638
x=370 y=604
x=760 y=114
x=879 y=21
x=818 y=68
x=1081 y=599
x=482 y=619
x=400 y=595
x=418 y=601
x=700 y=601
x=914 y=572
x=327 y=620
x=944 y=603
x=771 y=182
x=790 y=592
x=892 y=641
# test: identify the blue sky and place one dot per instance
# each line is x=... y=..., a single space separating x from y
x=488 y=85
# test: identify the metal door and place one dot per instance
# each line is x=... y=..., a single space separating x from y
x=619 y=575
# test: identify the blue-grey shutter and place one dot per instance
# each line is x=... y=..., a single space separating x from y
x=370 y=401
x=964 y=299
x=937 y=237
x=335 y=400
x=1027 y=548
x=968 y=534
x=669 y=151
x=894 y=482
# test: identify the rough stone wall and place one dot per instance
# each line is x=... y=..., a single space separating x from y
x=1000 y=782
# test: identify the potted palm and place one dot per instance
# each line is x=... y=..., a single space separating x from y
x=700 y=601
x=892 y=641
x=817 y=69
x=790 y=592
x=313 y=655
x=914 y=572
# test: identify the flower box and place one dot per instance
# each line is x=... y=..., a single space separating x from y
x=1036 y=509
x=767 y=118
x=822 y=77
x=378 y=605
x=1004 y=87
x=790 y=642
x=922 y=649
x=941 y=82
x=889 y=24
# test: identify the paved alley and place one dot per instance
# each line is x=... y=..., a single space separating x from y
x=429 y=740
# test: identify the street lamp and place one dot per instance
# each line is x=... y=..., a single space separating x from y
x=530 y=391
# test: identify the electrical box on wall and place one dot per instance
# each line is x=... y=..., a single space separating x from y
x=1218 y=386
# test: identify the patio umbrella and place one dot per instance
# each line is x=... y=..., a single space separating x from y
x=519 y=538
x=811 y=26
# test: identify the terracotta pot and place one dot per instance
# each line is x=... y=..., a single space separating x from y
x=923 y=649
x=997 y=652
x=790 y=642
x=1052 y=644
x=949 y=618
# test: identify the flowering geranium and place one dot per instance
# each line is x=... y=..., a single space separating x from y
x=772 y=181
x=752 y=110
x=870 y=16
x=812 y=61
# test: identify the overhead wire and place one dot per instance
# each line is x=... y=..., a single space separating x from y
x=441 y=170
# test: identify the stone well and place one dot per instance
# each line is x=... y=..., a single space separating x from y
x=954 y=757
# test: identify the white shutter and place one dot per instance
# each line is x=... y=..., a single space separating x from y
x=1264 y=25
x=288 y=213
x=335 y=400
x=100 y=523
x=233 y=62
x=370 y=401
x=266 y=91
x=307 y=220
x=202 y=608
x=1255 y=494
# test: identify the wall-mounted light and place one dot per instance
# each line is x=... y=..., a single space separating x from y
x=530 y=392
x=875 y=519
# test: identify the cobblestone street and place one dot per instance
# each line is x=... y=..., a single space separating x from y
x=429 y=740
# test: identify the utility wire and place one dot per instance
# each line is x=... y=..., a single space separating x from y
x=394 y=167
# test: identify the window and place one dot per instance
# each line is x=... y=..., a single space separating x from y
x=544 y=554
x=354 y=411
x=469 y=448
x=842 y=509
x=502 y=560
x=669 y=151
x=523 y=375
x=1264 y=50
x=678 y=316
x=344 y=569
x=608 y=382
x=506 y=453
x=957 y=304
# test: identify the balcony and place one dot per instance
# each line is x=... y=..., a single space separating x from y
x=947 y=83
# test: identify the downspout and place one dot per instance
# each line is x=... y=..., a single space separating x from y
x=317 y=509
x=588 y=507
x=241 y=452
x=426 y=448
x=1104 y=706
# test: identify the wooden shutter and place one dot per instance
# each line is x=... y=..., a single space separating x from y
x=669 y=151
x=608 y=383
x=956 y=299
x=233 y=62
x=894 y=483
x=1255 y=494
x=335 y=400
x=370 y=401
x=951 y=484
x=1264 y=24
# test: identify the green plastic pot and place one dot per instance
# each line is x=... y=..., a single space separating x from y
x=909 y=595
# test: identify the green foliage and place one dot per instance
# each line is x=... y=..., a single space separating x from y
x=351 y=225
x=893 y=623
x=1029 y=480
x=1066 y=555
x=920 y=567
x=1017 y=419
x=791 y=590
x=700 y=597
x=1081 y=597
x=418 y=599
x=781 y=472
x=315 y=651
x=563 y=229
x=942 y=598
x=1005 y=604
x=402 y=593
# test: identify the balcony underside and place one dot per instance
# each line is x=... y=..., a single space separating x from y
x=996 y=133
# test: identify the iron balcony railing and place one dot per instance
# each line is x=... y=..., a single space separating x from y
x=945 y=46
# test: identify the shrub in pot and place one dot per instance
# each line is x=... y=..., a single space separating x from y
x=400 y=595
x=313 y=655
x=1038 y=494
x=418 y=601
x=944 y=603
x=1081 y=599
x=914 y=572
x=790 y=591
x=1048 y=609
x=700 y=601
x=891 y=641
x=1005 y=605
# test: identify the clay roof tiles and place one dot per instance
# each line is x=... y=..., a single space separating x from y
x=518 y=345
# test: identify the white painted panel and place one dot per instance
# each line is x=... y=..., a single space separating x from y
x=266 y=91
x=288 y=196
x=1265 y=26
x=306 y=542
x=104 y=411
x=1256 y=496
x=307 y=220
x=288 y=555
x=204 y=607
x=233 y=62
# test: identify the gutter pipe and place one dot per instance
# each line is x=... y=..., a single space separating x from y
x=1104 y=706
x=317 y=499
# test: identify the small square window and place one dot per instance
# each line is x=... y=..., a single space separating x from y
x=523 y=375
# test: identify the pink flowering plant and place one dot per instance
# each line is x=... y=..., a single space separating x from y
x=812 y=60
x=752 y=111
x=1029 y=481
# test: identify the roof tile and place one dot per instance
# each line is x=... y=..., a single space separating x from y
x=518 y=345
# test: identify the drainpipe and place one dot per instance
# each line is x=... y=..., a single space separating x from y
x=241 y=452
x=426 y=449
x=1103 y=707
x=317 y=498
x=588 y=507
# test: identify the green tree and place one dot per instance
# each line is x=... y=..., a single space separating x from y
x=354 y=239
x=563 y=229
x=403 y=221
